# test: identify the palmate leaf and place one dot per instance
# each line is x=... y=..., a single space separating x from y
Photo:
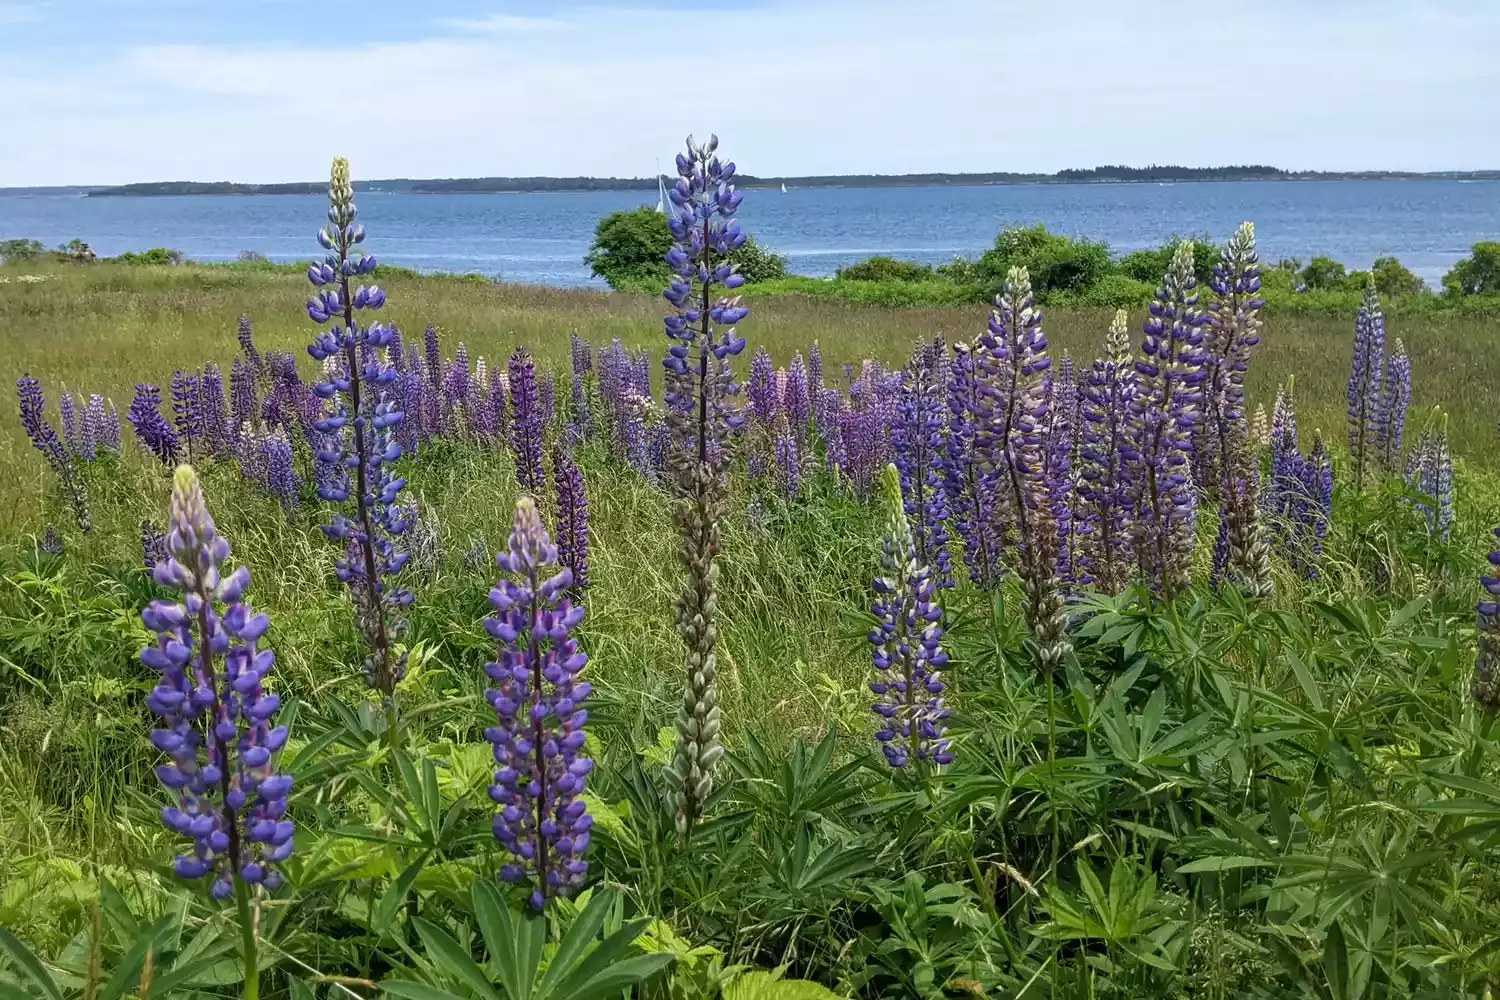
x=762 y=985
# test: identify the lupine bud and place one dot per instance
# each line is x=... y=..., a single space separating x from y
x=538 y=698
x=215 y=714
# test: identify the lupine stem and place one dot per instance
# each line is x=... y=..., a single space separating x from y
x=247 y=940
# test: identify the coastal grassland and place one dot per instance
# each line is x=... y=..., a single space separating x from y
x=105 y=327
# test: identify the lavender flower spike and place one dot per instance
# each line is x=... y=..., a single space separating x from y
x=701 y=418
x=33 y=405
x=358 y=436
x=907 y=650
x=526 y=425
x=538 y=699
x=150 y=426
x=918 y=437
x=215 y=715
x=1103 y=520
x=1394 y=400
x=1485 y=688
x=1365 y=405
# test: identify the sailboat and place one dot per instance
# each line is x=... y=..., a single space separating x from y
x=783 y=187
x=661 y=191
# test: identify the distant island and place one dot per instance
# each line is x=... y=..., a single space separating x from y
x=496 y=185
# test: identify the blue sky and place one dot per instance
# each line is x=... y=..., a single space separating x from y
x=112 y=91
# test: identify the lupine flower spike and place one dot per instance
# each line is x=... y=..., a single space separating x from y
x=33 y=405
x=701 y=417
x=538 y=698
x=907 y=651
x=918 y=440
x=1103 y=484
x=1485 y=688
x=215 y=715
x=572 y=516
x=1367 y=421
x=358 y=437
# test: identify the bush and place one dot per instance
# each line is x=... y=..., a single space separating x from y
x=960 y=271
x=1393 y=278
x=1056 y=263
x=1113 y=291
x=12 y=251
x=1151 y=265
x=630 y=248
x=155 y=257
x=1476 y=274
x=1323 y=272
x=885 y=269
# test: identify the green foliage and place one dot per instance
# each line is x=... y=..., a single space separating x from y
x=1322 y=273
x=885 y=269
x=1149 y=266
x=892 y=294
x=1476 y=274
x=15 y=251
x=156 y=257
x=1393 y=278
x=630 y=247
x=1056 y=263
x=1113 y=291
x=629 y=250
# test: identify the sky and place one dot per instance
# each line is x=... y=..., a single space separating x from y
x=115 y=91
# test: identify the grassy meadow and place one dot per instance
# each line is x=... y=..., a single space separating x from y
x=1292 y=798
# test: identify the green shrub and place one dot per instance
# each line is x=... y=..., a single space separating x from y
x=1476 y=274
x=156 y=257
x=630 y=248
x=960 y=271
x=14 y=251
x=1150 y=265
x=1056 y=263
x=1393 y=278
x=1323 y=272
x=885 y=269
x=1113 y=291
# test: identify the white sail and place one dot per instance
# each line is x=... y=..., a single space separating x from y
x=661 y=191
x=783 y=187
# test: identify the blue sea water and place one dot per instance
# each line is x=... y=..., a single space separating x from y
x=542 y=237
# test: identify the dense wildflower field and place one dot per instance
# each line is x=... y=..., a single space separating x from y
x=805 y=650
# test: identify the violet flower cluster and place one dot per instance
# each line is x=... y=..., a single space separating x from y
x=1163 y=412
x=1105 y=497
x=969 y=485
x=907 y=646
x=358 y=446
x=215 y=714
x=1299 y=501
x=526 y=421
x=1429 y=473
x=1395 y=398
x=1367 y=419
x=33 y=407
x=151 y=428
x=1485 y=688
x=917 y=439
x=700 y=418
x=538 y=698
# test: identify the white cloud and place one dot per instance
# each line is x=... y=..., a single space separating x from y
x=796 y=88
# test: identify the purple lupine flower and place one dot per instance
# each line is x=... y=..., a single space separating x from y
x=908 y=652
x=1317 y=486
x=1223 y=452
x=150 y=426
x=33 y=406
x=761 y=393
x=1485 y=688
x=243 y=406
x=457 y=387
x=968 y=488
x=526 y=421
x=1365 y=405
x=538 y=698
x=700 y=418
x=1430 y=474
x=153 y=544
x=434 y=352
x=1012 y=366
x=829 y=418
x=98 y=430
x=788 y=462
x=51 y=543
x=635 y=439
x=580 y=354
x=1059 y=478
x=495 y=400
x=213 y=410
x=185 y=413
x=572 y=517
x=246 y=336
x=583 y=363
x=917 y=439
x=798 y=401
x=67 y=412
x=280 y=473
x=215 y=717
x=1395 y=398
x=1299 y=500
x=815 y=373
x=1163 y=413
x=109 y=434
x=1103 y=521
x=358 y=437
